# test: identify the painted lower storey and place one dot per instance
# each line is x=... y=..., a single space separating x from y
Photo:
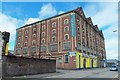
x=77 y=61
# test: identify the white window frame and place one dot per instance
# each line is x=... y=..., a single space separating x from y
x=18 y=44
x=43 y=27
x=52 y=38
x=42 y=40
x=53 y=24
x=42 y=34
x=26 y=31
x=26 y=37
x=53 y=30
x=78 y=37
x=33 y=41
x=34 y=29
x=19 y=39
x=25 y=43
x=66 y=27
x=65 y=35
x=67 y=21
x=33 y=35
x=20 y=33
x=77 y=28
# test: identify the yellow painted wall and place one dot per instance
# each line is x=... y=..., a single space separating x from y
x=77 y=59
x=95 y=62
x=6 y=52
x=88 y=61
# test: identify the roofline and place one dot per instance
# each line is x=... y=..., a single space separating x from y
x=63 y=14
x=45 y=19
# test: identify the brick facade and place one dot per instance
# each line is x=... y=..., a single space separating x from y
x=52 y=37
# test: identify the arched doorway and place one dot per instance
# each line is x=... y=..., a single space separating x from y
x=84 y=63
x=92 y=63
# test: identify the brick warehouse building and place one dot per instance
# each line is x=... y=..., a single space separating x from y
x=70 y=38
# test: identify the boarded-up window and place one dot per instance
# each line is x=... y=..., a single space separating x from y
x=42 y=48
x=60 y=59
x=53 y=47
x=66 y=46
x=25 y=50
x=33 y=49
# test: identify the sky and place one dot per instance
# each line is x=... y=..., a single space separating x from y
x=104 y=14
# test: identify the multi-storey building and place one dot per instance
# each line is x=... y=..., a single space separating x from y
x=70 y=38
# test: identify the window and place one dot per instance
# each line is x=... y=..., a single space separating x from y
x=33 y=42
x=77 y=20
x=19 y=39
x=19 y=33
x=66 y=58
x=25 y=44
x=53 y=39
x=42 y=48
x=78 y=28
x=18 y=51
x=26 y=32
x=88 y=53
x=26 y=37
x=60 y=59
x=34 y=30
x=53 y=47
x=43 y=34
x=66 y=37
x=25 y=50
x=66 y=46
x=34 y=35
x=18 y=44
x=53 y=32
x=79 y=38
x=33 y=49
x=54 y=24
x=43 y=41
x=78 y=46
x=43 y=27
x=66 y=21
x=66 y=29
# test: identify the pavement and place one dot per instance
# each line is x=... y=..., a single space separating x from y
x=86 y=73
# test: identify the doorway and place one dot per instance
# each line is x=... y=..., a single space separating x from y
x=79 y=62
x=84 y=63
x=92 y=63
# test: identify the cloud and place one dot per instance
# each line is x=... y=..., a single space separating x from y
x=47 y=11
x=9 y=24
x=106 y=16
x=31 y=20
x=60 y=12
x=111 y=41
x=103 y=14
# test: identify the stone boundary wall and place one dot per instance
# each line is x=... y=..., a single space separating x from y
x=19 y=66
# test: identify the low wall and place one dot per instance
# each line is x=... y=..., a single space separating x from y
x=14 y=66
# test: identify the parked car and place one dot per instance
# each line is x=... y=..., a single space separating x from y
x=113 y=68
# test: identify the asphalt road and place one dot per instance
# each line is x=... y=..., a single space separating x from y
x=87 y=73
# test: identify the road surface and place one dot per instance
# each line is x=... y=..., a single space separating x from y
x=86 y=73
